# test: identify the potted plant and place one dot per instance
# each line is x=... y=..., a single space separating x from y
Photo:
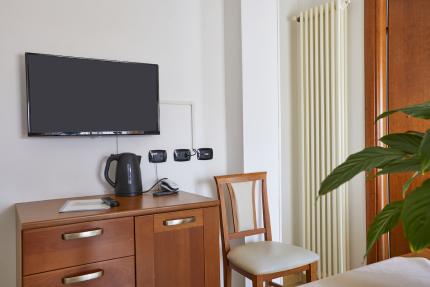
x=403 y=152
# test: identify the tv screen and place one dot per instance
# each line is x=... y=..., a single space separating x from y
x=77 y=96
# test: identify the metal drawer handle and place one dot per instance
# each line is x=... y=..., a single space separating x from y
x=83 y=278
x=180 y=221
x=83 y=234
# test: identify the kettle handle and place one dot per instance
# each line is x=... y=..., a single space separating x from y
x=107 y=167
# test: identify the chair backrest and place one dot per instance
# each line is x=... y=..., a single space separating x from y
x=242 y=194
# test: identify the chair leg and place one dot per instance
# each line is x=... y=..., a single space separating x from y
x=227 y=276
x=311 y=273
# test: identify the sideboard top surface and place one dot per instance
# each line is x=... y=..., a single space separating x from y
x=45 y=213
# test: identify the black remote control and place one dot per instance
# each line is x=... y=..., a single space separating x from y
x=109 y=201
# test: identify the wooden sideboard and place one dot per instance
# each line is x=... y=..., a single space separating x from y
x=145 y=242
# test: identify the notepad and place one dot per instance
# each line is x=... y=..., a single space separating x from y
x=83 y=205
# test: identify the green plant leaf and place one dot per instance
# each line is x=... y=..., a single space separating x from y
x=384 y=221
x=425 y=151
x=416 y=217
x=411 y=164
x=421 y=111
x=416 y=133
x=365 y=160
x=407 y=142
x=408 y=183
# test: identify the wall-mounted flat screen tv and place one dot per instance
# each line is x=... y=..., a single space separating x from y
x=69 y=96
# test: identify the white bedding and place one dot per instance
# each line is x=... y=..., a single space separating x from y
x=398 y=271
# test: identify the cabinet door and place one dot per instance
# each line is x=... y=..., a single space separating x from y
x=178 y=249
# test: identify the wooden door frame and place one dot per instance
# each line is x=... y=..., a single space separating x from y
x=375 y=54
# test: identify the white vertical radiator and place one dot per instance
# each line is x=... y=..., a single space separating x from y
x=324 y=123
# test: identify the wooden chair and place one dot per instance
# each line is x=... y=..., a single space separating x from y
x=261 y=261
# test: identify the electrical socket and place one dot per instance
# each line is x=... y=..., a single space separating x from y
x=182 y=154
x=205 y=154
x=157 y=155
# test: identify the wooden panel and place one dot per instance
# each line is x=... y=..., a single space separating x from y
x=246 y=233
x=144 y=232
x=370 y=110
x=381 y=106
x=195 y=215
x=375 y=104
x=44 y=249
x=18 y=254
x=117 y=272
x=211 y=245
x=409 y=75
x=241 y=177
x=179 y=258
x=45 y=213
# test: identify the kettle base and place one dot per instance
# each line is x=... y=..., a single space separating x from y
x=124 y=194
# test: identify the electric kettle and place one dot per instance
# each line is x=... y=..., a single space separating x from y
x=128 y=180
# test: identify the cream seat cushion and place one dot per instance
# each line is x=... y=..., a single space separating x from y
x=267 y=257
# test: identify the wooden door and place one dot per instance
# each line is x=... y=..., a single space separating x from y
x=397 y=67
x=408 y=83
x=178 y=249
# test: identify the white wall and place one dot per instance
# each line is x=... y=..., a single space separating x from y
x=290 y=122
x=357 y=191
x=261 y=100
x=290 y=103
x=261 y=133
x=233 y=95
x=187 y=38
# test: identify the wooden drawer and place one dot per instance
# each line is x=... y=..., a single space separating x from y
x=178 y=220
x=111 y=273
x=64 y=246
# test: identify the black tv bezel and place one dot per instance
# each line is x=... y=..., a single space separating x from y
x=87 y=133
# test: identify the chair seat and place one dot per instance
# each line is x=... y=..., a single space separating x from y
x=268 y=257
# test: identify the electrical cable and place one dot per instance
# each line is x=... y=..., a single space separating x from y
x=116 y=144
x=156 y=171
x=155 y=184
